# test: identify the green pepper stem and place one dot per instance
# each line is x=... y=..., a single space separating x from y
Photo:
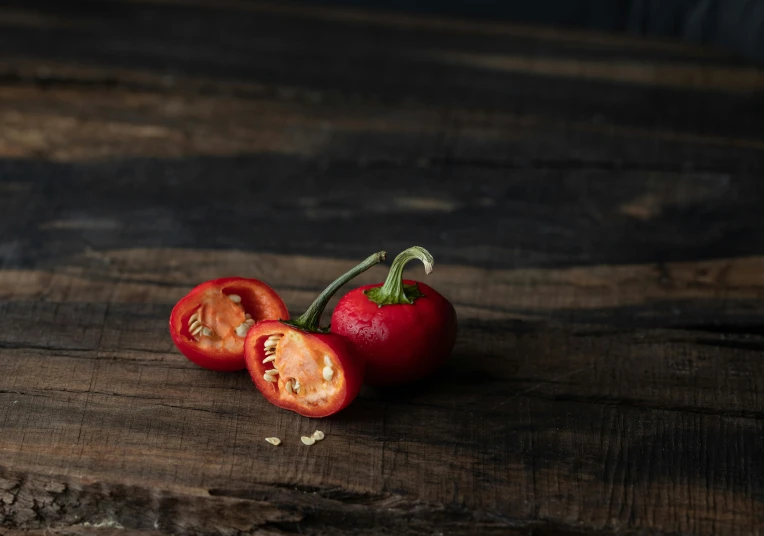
x=394 y=291
x=310 y=319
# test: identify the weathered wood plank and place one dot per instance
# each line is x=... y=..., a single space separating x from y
x=490 y=217
x=58 y=503
x=725 y=289
x=513 y=427
x=422 y=452
x=128 y=109
x=526 y=458
x=522 y=184
x=167 y=38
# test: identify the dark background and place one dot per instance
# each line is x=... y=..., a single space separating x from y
x=732 y=24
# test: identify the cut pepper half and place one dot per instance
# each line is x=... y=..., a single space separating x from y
x=209 y=325
x=313 y=374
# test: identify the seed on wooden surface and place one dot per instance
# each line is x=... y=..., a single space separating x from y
x=318 y=435
x=206 y=331
x=307 y=440
x=268 y=359
x=328 y=373
x=273 y=440
x=242 y=329
x=235 y=298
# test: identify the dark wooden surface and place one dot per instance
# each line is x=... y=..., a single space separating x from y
x=594 y=204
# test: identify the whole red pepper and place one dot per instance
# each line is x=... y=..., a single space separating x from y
x=404 y=329
x=300 y=367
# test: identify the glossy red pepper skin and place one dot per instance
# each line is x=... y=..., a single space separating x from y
x=224 y=352
x=401 y=343
x=317 y=397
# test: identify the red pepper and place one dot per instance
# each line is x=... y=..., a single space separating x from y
x=404 y=329
x=210 y=323
x=302 y=368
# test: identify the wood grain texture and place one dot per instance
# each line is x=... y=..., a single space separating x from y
x=593 y=204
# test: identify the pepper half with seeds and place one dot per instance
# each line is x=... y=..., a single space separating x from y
x=302 y=368
x=210 y=323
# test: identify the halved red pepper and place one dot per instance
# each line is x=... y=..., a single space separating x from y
x=404 y=329
x=210 y=323
x=302 y=368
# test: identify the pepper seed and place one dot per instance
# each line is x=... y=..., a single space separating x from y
x=206 y=331
x=328 y=373
x=327 y=361
x=235 y=298
x=268 y=359
x=242 y=329
x=273 y=441
x=307 y=440
x=272 y=372
x=269 y=378
x=318 y=435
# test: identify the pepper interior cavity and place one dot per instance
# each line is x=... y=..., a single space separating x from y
x=299 y=369
x=223 y=318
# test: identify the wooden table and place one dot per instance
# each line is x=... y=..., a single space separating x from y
x=594 y=204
